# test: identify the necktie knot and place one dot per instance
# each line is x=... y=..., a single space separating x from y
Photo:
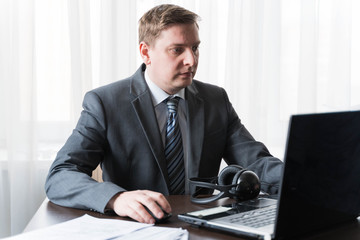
x=172 y=104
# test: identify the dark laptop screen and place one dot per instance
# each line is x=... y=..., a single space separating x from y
x=321 y=182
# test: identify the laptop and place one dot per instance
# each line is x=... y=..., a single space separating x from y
x=320 y=185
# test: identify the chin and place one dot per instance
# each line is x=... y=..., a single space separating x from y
x=186 y=83
x=178 y=87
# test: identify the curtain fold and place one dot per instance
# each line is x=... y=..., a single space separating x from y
x=274 y=58
x=253 y=65
x=118 y=40
x=19 y=168
x=79 y=32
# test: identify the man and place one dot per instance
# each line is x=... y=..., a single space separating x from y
x=124 y=128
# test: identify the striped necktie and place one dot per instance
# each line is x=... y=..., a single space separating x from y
x=174 y=153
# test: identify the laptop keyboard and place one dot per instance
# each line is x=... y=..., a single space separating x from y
x=256 y=218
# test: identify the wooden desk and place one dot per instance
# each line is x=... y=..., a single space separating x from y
x=50 y=213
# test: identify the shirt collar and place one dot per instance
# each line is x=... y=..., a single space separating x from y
x=158 y=95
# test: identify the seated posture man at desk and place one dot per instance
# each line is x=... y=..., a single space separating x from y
x=144 y=155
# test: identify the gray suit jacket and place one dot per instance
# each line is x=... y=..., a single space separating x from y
x=118 y=129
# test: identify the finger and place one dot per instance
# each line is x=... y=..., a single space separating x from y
x=154 y=208
x=147 y=200
x=161 y=200
x=137 y=212
x=132 y=204
x=141 y=214
x=127 y=204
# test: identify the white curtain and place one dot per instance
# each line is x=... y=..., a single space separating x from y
x=275 y=58
x=51 y=53
x=288 y=57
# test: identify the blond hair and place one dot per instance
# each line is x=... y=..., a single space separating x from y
x=161 y=17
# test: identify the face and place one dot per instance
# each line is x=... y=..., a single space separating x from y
x=173 y=57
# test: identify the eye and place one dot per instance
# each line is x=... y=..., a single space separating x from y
x=177 y=50
x=195 y=48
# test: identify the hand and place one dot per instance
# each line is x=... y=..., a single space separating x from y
x=131 y=204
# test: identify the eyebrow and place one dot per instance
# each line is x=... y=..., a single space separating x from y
x=181 y=44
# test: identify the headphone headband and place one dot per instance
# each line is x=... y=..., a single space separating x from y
x=244 y=185
x=202 y=182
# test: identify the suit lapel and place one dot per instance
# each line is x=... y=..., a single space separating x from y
x=143 y=106
x=195 y=123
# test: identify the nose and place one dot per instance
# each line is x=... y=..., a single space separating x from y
x=190 y=58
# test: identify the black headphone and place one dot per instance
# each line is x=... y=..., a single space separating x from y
x=233 y=181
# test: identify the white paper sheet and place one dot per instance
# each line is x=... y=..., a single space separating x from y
x=91 y=228
x=158 y=233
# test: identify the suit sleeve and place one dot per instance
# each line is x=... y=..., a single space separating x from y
x=69 y=181
x=242 y=149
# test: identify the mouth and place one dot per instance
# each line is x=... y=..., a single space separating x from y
x=186 y=74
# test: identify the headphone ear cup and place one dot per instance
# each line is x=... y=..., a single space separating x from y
x=226 y=176
x=247 y=185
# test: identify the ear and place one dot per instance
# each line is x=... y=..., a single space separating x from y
x=144 y=53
